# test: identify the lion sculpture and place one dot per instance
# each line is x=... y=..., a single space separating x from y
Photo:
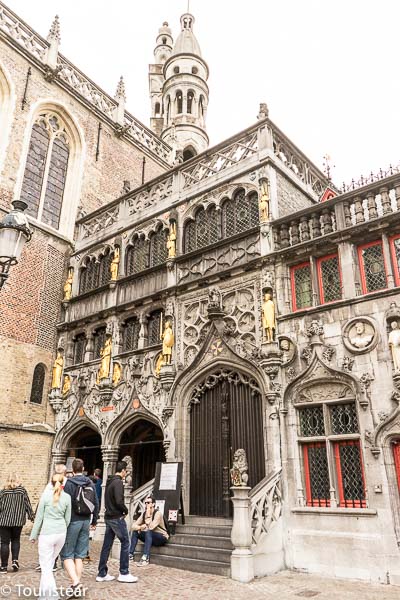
x=239 y=475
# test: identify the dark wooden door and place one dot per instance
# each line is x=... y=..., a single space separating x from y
x=226 y=414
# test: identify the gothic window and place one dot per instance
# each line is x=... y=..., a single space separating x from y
x=154 y=328
x=168 y=109
x=104 y=275
x=190 y=236
x=79 y=348
x=395 y=250
x=46 y=169
x=372 y=267
x=89 y=276
x=179 y=102
x=158 y=247
x=332 y=464
x=176 y=70
x=157 y=109
x=99 y=337
x=300 y=276
x=137 y=256
x=131 y=334
x=39 y=375
x=396 y=456
x=204 y=230
x=329 y=278
x=190 y=98
x=240 y=213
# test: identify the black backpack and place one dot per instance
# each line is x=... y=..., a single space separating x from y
x=83 y=500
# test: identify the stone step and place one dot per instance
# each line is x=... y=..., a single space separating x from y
x=204 y=553
x=195 y=520
x=188 y=564
x=208 y=541
x=211 y=530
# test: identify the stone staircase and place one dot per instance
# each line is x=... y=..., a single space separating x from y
x=203 y=545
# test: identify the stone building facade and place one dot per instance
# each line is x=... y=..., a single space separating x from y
x=282 y=296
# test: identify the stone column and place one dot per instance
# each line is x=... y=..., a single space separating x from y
x=110 y=457
x=242 y=563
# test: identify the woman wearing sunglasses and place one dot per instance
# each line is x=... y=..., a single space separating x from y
x=150 y=529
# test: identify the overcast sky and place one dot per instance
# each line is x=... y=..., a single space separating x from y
x=327 y=69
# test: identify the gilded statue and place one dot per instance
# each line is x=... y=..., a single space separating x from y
x=105 y=354
x=239 y=471
x=268 y=317
x=57 y=372
x=171 y=241
x=68 y=285
x=394 y=344
x=114 y=267
x=159 y=364
x=67 y=385
x=168 y=342
x=264 y=201
x=117 y=373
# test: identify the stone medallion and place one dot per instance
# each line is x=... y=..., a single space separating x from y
x=360 y=335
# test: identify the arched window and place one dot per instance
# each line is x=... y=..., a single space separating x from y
x=89 y=277
x=164 y=40
x=240 y=213
x=176 y=70
x=79 y=348
x=154 y=328
x=195 y=70
x=157 y=109
x=131 y=334
x=99 y=337
x=190 y=98
x=46 y=169
x=137 y=256
x=158 y=247
x=179 y=102
x=39 y=375
x=188 y=153
x=201 y=106
x=104 y=267
x=203 y=231
x=168 y=109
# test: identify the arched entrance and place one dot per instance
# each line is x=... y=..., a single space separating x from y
x=143 y=442
x=86 y=444
x=225 y=414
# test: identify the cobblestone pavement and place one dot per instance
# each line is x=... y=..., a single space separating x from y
x=161 y=583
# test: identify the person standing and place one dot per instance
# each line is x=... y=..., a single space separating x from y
x=114 y=516
x=150 y=529
x=15 y=506
x=52 y=519
x=84 y=513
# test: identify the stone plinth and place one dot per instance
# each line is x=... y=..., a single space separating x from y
x=167 y=376
x=242 y=560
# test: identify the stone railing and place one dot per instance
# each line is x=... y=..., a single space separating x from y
x=136 y=501
x=352 y=209
x=35 y=45
x=265 y=505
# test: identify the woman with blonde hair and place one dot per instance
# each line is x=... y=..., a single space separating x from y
x=14 y=507
x=52 y=519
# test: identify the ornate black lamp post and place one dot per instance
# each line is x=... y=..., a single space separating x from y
x=14 y=233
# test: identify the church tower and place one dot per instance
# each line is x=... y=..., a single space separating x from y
x=162 y=51
x=184 y=91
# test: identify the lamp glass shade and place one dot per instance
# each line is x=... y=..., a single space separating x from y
x=11 y=242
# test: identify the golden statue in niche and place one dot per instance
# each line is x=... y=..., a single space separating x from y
x=57 y=372
x=68 y=285
x=117 y=373
x=171 y=241
x=105 y=364
x=114 y=267
x=168 y=342
x=268 y=317
x=67 y=385
x=264 y=201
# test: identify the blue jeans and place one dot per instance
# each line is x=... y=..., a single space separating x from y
x=77 y=540
x=115 y=527
x=150 y=538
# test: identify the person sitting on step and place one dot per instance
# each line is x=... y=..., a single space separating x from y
x=150 y=529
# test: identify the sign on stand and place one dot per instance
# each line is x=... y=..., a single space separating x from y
x=167 y=491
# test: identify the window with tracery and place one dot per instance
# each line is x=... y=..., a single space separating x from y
x=154 y=328
x=137 y=256
x=329 y=437
x=372 y=267
x=131 y=334
x=39 y=375
x=46 y=169
x=79 y=348
x=158 y=247
x=179 y=102
x=329 y=278
x=99 y=337
x=104 y=268
x=204 y=230
x=190 y=98
x=240 y=213
x=300 y=276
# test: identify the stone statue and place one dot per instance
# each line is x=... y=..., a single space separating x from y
x=67 y=385
x=117 y=373
x=362 y=339
x=105 y=364
x=264 y=201
x=129 y=470
x=239 y=475
x=68 y=286
x=171 y=241
x=394 y=344
x=57 y=372
x=114 y=267
x=168 y=342
x=268 y=317
x=214 y=298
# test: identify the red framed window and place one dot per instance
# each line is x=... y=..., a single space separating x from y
x=329 y=278
x=372 y=267
x=395 y=252
x=300 y=276
x=350 y=474
x=316 y=474
x=396 y=456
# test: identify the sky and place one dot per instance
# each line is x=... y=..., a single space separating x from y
x=327 y=69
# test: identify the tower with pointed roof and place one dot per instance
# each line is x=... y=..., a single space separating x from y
x=179 y=91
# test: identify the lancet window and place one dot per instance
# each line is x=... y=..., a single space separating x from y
x=158 y=247
x=204 y=230
x=99 y=337
x=240 y=213
x=137 y=256
x=154 y=328
x=39 y=375
x=79 y=348
x=131 y=334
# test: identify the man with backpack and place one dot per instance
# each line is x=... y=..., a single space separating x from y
x=84 y=513
x=149 y=528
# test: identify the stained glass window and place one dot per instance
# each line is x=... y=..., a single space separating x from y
x=137 y=258
x=372 y=264
x=154 y=328
x=329 y=279
x=158 y=247
x=350 y=474
x=131 y=334
x=240 y=213
x=79 y=348
x=301 y=286
x=39 y=375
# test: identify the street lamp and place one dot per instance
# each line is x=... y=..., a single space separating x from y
x=14 y=233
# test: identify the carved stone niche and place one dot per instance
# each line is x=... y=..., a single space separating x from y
x=360 y=335
x=288 y=349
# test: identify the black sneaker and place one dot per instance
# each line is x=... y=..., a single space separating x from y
x=3 y=569
x=15 y=566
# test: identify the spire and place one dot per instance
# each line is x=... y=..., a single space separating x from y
x=120 y=93
x=54 y=33
x=120 y=96
x=186 y=42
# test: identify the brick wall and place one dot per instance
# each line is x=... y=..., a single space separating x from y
x=290 y=198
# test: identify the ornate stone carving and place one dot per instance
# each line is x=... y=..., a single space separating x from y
x=360 y=335
x=239 y=471
x=307 y=354
x=288 y=349
x=347 y=363
x=315 y=329
x=328 y=353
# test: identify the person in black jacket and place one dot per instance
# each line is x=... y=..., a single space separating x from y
x=115 y=513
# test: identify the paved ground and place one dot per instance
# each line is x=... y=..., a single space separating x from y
x=161 y=583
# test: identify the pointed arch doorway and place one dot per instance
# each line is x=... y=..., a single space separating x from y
x=225 y=414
